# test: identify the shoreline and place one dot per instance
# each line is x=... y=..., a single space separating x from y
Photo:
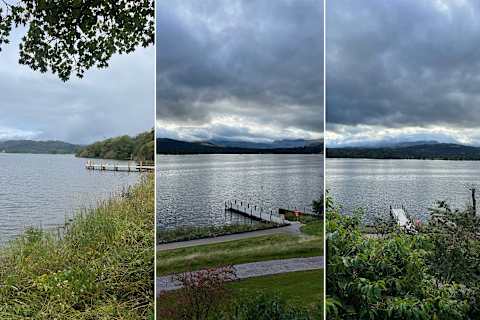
x=81 y=273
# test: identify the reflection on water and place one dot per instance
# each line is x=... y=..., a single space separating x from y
x=374 y=185
x=192 y=189
x=43 y=190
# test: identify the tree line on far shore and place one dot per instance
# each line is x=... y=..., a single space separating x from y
x=139 y=148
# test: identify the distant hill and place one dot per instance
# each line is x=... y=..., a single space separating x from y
x=140 y=148
x=170 y=146
x=285 y=143
x=38 y=147
x=386 y=144
x=413 y=143
x=437 y=151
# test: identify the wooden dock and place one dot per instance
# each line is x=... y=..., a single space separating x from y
x=255 y=212
x=401 y=218
x=129 y=167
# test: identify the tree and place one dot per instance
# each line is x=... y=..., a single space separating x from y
x=72 y=36
x=318 y=206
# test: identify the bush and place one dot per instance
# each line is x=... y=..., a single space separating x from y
x=201 y=296
x=398 y=276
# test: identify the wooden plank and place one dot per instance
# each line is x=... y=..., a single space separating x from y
x=401 y=217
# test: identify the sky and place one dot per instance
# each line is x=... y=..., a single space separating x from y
x=109 y=102
x=403 y=70
x=240 y=69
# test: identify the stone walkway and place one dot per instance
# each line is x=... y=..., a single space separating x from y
x=255 y=269
x=293 y=228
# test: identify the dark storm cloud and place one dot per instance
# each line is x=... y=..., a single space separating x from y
x=115 y=101
x=261 y=60
x=408 y=63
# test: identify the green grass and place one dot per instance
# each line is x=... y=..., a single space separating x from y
x=303 y=289
x=101 y=269
x=263 y=248
x=300 y=289
x=313 y=228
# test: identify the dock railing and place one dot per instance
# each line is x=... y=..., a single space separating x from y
x=255 y=212
x=129 y=167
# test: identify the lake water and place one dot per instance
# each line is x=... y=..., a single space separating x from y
x=374 y=185
x=44 y=190
x=192 y=189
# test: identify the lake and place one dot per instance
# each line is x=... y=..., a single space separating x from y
x=44 y=190
x=374 y=185
x=192 y=189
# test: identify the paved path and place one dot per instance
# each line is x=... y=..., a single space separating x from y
x=293 y=228
x=255 y=269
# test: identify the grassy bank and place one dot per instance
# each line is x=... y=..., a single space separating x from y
x=101 y=269
x=193 y=233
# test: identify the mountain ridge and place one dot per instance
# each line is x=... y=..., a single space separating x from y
x=38 y=147
x=172 y=146
x=276 y=144
x=435 y=151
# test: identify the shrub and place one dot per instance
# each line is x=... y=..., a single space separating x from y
x=397 y=276
x=202 y=294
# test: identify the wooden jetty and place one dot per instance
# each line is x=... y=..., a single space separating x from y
x=400 y=216
x=129 y=167
x=255 y=212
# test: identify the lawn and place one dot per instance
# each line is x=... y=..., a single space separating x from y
x=303 y=290
x=263 y=248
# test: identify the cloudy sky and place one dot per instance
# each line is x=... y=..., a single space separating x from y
x=403 y=70
x=114 y=101
x=240 y=69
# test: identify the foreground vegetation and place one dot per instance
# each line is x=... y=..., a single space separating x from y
x=139 y=148
x=432 y=274
x=289 y=296
x=101 y=268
